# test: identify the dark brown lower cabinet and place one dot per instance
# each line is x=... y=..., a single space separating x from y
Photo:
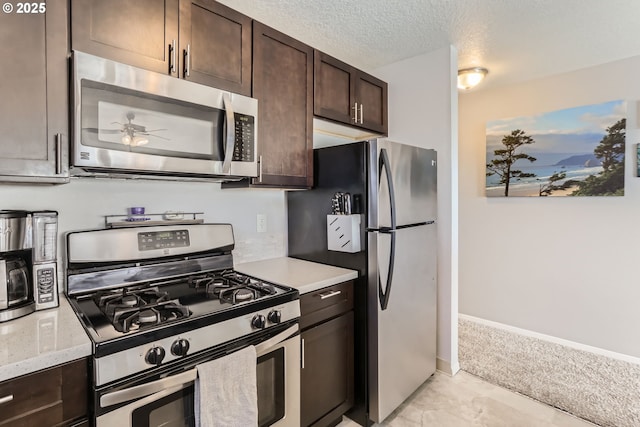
x=51 y=397
x=327 y=360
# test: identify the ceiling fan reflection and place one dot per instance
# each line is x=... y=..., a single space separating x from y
x=133 y=134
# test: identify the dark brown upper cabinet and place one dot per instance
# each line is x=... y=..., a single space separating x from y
x=216 y=45
x=283 y=85
x=347 y=95
x=33 y=105
x=198 y=40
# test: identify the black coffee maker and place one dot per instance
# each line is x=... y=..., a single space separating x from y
x=28 y=271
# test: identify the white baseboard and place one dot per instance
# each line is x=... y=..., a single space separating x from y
x=445 y=367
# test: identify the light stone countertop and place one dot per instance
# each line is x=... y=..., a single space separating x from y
x=303 y=275
x=41 y=340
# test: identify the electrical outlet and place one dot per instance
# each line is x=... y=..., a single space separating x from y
x=261 y=223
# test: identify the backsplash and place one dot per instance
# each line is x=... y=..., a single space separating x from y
x=83 y=203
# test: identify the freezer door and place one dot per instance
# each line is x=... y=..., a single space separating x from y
x=402 y=183
x=402 y=337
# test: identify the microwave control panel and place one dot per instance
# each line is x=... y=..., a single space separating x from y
x=243 y=147
x=153 y=240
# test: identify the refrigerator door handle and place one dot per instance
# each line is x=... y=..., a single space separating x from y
x=383 y=163
x=384 y=295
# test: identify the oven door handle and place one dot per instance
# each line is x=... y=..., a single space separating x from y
x=143 y=390
x=268 y=345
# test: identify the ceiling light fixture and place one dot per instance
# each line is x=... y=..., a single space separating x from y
x=470 y=77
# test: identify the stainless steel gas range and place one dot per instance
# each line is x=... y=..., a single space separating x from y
x=158 y=301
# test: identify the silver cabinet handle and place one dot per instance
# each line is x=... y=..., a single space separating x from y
x=361 y=114
x=172 y=56
x=260 y=168
x=6 y=399
x=187 y=61
x=355 y=112
x=302 y=346
x=58 y=153
x=329 y=294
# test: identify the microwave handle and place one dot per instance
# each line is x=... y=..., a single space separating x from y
x=143 y=390
x=230 y=133
x=4 y=298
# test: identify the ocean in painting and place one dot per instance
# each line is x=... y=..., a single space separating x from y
x=563 y=141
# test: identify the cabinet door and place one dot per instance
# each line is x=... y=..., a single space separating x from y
x=139 y=33
x=51 y=397
x=33 y=105
x=327 y=371
x=283 y=84
x=334 y=89
x=371 y=96
x=218 y=42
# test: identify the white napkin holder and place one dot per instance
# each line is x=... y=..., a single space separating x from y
x=343 y=233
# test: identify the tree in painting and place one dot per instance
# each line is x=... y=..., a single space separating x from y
x=504 y=159
x=609 y=182
x=551 y=185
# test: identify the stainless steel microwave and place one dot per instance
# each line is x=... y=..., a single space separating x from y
x=130 y=122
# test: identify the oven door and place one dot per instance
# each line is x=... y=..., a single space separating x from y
x=169 y=401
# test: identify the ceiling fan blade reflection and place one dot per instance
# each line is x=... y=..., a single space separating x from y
x=96 y=130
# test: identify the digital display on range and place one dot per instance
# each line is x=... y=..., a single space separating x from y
x=152 y=240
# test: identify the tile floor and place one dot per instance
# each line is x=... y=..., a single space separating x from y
x=465 y=400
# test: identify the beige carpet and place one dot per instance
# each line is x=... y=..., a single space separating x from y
x=603 y=390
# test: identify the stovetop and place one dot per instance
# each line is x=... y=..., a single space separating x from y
x=196 y=299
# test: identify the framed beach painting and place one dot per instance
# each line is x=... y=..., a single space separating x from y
x=574 y=152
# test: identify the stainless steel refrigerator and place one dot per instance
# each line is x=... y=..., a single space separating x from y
x=392 y=187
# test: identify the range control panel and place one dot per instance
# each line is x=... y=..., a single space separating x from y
x=153 y=240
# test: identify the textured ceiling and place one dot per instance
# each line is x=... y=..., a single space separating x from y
x=516 y=40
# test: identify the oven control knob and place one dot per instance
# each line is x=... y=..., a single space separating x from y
x=155 y=356
x=258 y=321
x=275 y=316
x=180 y=347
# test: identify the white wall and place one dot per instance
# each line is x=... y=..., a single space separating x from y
x=560 y=266
x=83 y=202
x=423 y=112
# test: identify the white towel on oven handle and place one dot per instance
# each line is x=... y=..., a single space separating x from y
x=226 y=391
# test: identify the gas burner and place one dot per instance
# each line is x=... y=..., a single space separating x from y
x=238 y=294
x=130 y=309
x=135 y=318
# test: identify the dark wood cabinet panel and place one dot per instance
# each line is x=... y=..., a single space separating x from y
x=33 y=105
x=283 y=85
x=372 y=97
x=52 y=397
x=198 y=40
x=140 y=33
x=347 y=95
x=334 y=89
x=218 y=40
x=325 y=303
x=327 y=374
